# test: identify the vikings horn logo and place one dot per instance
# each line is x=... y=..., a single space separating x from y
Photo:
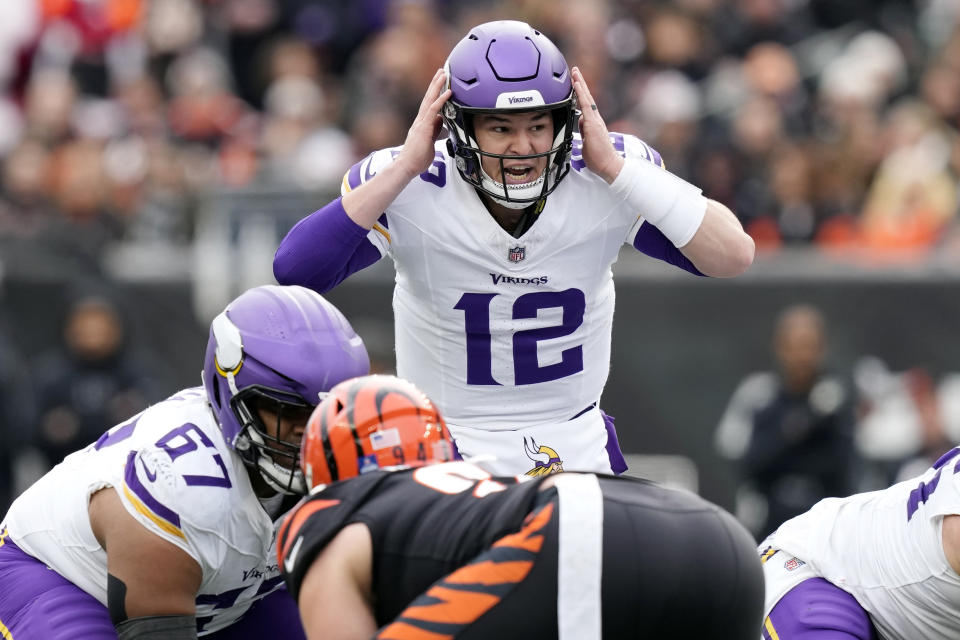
x=546 y=460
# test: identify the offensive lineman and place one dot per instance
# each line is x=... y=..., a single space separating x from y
x=504 y=296
x=391 y=544
x=165 y=527
x=884 y=564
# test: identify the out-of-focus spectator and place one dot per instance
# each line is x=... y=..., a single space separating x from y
x=15 y=422
x=913 y=195
x=906 y=420
x=789 y=431
x=48 y=106
x=25 y=207
x=668 y=115
x=934 y=441
x=92 y=380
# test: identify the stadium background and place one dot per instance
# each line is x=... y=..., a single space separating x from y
x=156 y=152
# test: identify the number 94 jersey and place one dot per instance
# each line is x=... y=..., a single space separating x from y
x=882 y=547
x=175 y=474
x=478 y=311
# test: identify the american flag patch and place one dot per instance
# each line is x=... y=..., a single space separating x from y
x=384 y=438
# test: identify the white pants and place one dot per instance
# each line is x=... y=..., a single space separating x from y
x=573 y=445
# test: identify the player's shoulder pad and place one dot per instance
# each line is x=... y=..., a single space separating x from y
x=633 y=147
x=183 y=478
x=625 y=144
x=316 y=519
x=364 y=170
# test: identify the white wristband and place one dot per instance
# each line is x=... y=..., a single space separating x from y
x=671 y=204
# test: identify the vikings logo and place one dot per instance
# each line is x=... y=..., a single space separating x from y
x=546 y=460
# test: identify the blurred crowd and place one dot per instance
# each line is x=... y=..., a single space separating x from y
x=824 y=122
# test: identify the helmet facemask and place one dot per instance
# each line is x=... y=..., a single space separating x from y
x=463 y=145
x=508 y=67
x=258 y=444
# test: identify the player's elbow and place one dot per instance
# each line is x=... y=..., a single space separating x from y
x=730 y=256
x=283 y=268
x=740 y=255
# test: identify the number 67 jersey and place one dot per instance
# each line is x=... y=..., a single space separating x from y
x=175 y=474
x=882 y=547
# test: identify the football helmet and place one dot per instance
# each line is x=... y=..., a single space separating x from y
x=370 y=423
x=276 y=351
x=508 y=67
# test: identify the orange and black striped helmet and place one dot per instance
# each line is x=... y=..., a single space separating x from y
x=369 y=423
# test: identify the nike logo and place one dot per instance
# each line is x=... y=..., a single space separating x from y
x=291 y=558
x=151 y=475
x=292 y=525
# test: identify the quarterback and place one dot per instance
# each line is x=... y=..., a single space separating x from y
x=884 y=564
x=165 y=527
x=503 y=236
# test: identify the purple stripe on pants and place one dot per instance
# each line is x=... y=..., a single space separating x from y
x=617 y=463
x=38 y=603
x=817 y=609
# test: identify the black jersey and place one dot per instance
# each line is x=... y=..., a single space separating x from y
x=420 y=524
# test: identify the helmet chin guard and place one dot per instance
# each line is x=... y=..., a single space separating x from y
x=508 y=67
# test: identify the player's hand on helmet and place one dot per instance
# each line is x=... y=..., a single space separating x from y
x=598 y=152
x=418 y=152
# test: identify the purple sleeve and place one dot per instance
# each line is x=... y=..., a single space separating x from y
x=324 y=248
x=651 y=241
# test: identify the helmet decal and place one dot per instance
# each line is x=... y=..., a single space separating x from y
x=371 y=423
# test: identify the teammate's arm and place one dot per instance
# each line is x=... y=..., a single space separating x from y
x=336 y=594
x=704 y=230
x=365 y=203
x=152 y=583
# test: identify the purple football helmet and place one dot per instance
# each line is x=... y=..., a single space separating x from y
x=280 y=349
x=508 y=67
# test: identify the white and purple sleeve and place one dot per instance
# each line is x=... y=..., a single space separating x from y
x=646 y=237
x=649 y=240
x=324 y=248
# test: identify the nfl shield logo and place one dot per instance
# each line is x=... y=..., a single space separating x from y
x=792 y=564
x=516 y=254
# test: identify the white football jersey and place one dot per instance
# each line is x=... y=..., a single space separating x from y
x=175 y=474
x=504 y=333
x=884 y=548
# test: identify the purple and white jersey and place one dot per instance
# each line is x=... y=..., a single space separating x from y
x=882 y=547
x=175 y=474
x=505 y=333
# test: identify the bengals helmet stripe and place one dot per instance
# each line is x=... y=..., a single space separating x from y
x=372 y=422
